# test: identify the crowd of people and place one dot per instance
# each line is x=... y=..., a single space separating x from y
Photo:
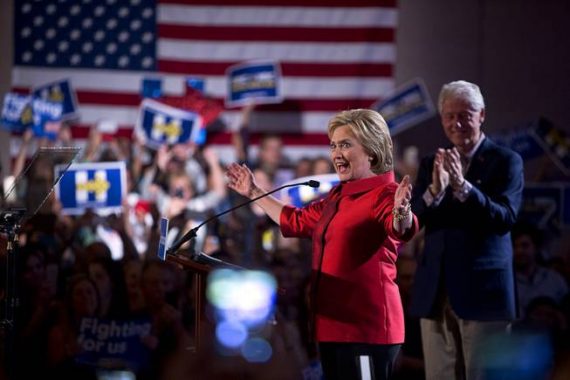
x=451 y=276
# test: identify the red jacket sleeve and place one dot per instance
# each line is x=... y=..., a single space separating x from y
x=300 y=222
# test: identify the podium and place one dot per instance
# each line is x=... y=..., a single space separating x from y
x=200 y=265
x=200 y=272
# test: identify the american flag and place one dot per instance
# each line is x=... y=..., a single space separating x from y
x=334 y=55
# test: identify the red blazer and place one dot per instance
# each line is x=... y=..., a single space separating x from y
x=357 y=298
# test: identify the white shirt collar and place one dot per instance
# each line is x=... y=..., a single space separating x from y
x=472 y=151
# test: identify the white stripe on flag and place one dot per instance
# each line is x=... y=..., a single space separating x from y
x=216 y=86
x=292 y=17
x=325 y=52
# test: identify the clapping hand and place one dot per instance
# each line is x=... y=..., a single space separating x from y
x=439 y=175
x=454 y=167
x=402 y=207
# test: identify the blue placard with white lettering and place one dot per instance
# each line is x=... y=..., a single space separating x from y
x=114 y=343
x=59 y=92
x=300 y=196
x=17 y=113
x=162 y=241
x=159 y=124
x=257 y=81
x=100 y=186
x=407 y=106
x=543 y=205
x=521 y=142
x=47 y=118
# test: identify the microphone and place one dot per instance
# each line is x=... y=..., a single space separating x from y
x=192 y=233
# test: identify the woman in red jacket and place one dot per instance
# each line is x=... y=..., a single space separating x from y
x=356 y=231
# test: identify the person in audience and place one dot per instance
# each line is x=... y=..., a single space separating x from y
x=81 y=301
x=533 y=280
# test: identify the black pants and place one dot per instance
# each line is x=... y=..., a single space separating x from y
x=358 y=361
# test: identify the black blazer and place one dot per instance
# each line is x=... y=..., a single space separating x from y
x=468 y=246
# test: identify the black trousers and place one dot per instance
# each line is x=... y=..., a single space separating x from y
x=358 y=361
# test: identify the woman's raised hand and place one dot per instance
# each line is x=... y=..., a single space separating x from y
x=240 y=179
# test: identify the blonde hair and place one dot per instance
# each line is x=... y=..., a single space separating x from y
x=371 y=131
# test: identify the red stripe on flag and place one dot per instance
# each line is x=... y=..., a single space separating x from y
x=108 y=98
x=81 y=131
x=289 y=105
x=288 y=69
x=288 y=3
x=291 y=34
x=289 y=139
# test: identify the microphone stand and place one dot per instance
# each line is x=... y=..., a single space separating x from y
x=192 y=233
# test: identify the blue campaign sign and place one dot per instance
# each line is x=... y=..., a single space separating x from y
x=47 y=117
x=114 y=343
x=255 y=81
x=300 y=196
x=409 y=105
x=59 y=92
x=162 y=241
x=566 y=207
x=159 y=124
x=522 y=142
x=543 y=205
x=17 y=114
x=100 y=186
x=556 y=144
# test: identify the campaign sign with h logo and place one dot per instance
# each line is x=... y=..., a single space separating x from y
x=59 y=92
x=159 y=124
x=100 y=186
x=255 y=81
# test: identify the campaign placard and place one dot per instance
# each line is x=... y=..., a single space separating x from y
x=543 y=205
x=59 y=92
x=555 y=143
x=17 y=113
x=162 y=241
x=408 y=105
x=300 y=196
x=100 y=186
x=47 y=118
x=255 y=81
x=113 y=343
x=160 y=124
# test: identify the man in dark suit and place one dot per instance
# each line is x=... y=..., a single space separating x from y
x=467 y=196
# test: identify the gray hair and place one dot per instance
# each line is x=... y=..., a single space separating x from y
x=371 y=131
x=464 y=90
